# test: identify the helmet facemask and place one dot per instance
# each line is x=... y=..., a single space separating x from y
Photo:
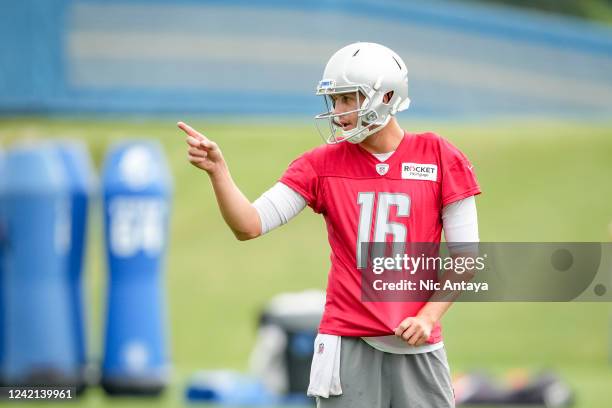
x=369 y=121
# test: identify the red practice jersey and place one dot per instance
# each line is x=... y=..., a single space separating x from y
x=365 y=200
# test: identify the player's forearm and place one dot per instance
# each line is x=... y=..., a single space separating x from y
x=441 y=300
x=237 y=211
x=433 y=311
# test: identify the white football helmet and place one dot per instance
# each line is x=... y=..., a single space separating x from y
x=372 y=70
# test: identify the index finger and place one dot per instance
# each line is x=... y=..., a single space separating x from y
x=399 y=330
x=190 y=131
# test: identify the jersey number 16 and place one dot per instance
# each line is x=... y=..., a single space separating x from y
x=382 y=225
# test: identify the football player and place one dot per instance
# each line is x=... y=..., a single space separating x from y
x=372 y=181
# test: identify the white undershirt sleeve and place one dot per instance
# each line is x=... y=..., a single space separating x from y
x=460 y=223
x=277 y=206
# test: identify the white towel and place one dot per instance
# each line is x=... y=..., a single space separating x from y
x=325 y=369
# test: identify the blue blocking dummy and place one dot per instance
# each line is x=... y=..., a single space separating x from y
x=38 y=343
x=137 y=192
x=81 y=185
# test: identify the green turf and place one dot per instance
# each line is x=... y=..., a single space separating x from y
x=541 y=182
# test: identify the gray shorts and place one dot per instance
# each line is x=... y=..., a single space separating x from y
x=371 y=378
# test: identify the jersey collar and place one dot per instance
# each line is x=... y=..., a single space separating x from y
x=391 y=160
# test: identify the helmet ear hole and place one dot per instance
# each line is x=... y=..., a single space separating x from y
x=387 y=97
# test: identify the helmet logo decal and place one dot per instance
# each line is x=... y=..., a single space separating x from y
x=327 y=84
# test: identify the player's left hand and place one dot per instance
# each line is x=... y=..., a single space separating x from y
x=415 y=330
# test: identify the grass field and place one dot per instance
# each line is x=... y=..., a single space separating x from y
x=541 y=182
